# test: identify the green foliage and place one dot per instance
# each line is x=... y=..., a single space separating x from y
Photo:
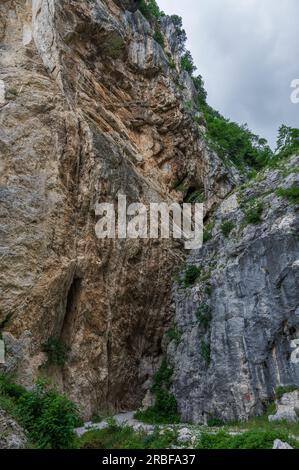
x=195 y=196
x=256 y=439
x=205 y=350
x=96 y=418
x=11 y=94
x=226 y=228
x=9 y=389
x=190 y=275
x=208 y=290
x=203 y=315
x=150 y=9
x=291 y=194
x=187 y=63
x=200 y=88
x=117 y=437
x=280 y=391
x=181 y=33
x=113 y=48
x=287 y=142
x=253 y=215
x=165 y=407
x=56 y=350
x=172 y=65
x=159 y=37
x=237 y=143
x=48 y=417
x=207 y=233
x=174 y=334
x=230 y=140
x=215 y=422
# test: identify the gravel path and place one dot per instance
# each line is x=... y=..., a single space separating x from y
x=121 y=419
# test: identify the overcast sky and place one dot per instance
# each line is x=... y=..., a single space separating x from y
x=248 y=53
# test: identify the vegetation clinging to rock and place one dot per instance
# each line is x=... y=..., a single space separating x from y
x=165 y=407
x=47 y=416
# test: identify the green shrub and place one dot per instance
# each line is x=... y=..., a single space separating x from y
x=56 y=350
x=195 y=196
x=230 y=140
x=181 y=33
x=214 y=422
x=190 y=275
x=10 y=389
x=48 y=417
x=171 y=62
x=226 y=228
x=174 y=334
x=117 y=437
x=207 y=233
x=205 y=350
x=159 y=38
x=208 y=290
x=280 y=391
x=150 y=9
x=114 y=47
x=291 y=194
x=11 y=94
x=253 y=215
x=248 y=440
x=96 y=418
x=187 y=63
x=203 y=315
x=287 y=142
x=164 y=410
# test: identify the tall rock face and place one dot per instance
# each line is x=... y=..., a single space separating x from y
x=91 y=106
x=239 y=320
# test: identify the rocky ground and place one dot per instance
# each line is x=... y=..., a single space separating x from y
x=12 y=435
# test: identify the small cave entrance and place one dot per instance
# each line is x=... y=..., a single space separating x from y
x=71 y=310
x=195 y=194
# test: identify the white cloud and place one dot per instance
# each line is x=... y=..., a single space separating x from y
x=247 y=51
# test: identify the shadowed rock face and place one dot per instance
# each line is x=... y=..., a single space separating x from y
x=249 y=287
x=90 y=108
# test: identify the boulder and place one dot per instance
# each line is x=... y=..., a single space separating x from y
x=12 y=436
x=278 y=444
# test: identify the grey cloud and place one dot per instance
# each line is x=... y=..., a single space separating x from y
x=247 y=52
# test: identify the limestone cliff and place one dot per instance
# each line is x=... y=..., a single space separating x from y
x=240 y=318
x=91 y=106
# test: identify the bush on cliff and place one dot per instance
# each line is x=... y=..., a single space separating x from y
x=164 y=410
x=150 y=9
x=48 y=417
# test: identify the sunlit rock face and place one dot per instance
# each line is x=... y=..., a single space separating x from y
x=90 y=108
x=239 y=322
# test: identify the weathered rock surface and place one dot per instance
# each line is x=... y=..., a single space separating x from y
x=278 y=444
x=12 y=435
x=287 y=408
x=89 y=109
x=239 y=320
